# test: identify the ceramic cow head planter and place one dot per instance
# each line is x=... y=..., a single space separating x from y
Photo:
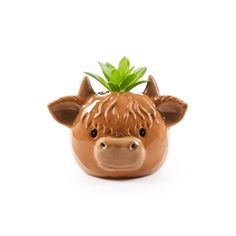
x=119 y=134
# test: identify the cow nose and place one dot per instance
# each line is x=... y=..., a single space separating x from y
x=134 y=146
x=103 y=145
x=119 y=153
x=108 y=143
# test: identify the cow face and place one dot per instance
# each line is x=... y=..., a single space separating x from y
x=119 y=135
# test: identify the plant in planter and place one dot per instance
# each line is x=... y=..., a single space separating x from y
x=122 y=79
x=119 y=134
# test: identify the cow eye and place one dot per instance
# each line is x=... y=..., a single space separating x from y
x=94 y=133
x=142 y=132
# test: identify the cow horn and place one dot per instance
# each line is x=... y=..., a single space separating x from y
x=86 y=89
x=151 y=89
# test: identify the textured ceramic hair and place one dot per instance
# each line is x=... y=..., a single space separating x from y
x=110 y=110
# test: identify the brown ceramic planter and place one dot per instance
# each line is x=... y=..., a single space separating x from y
x=119 y=135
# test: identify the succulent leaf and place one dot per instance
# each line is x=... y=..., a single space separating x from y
x=140 y=73
x=121 y=79
x=128 y=72
x=114 y=87
x=98 y=78
x=125 y=83
x=106 y=71
x=116 y=76
x=135 y=84
x=123 y=65
x=110 y=66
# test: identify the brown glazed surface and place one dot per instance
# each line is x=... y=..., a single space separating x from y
x=118 y=147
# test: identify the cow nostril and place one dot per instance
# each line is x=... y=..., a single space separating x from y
x=133 y=146
x=103 y=145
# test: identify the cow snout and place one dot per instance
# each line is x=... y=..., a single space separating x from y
x=130 y=144
x=119 y=153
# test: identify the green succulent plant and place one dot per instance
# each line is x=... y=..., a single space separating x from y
x=121 y=79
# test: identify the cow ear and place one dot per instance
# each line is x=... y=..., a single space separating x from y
x=171 y=108
x=66 y=109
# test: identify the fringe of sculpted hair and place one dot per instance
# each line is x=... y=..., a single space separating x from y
x=108 y=109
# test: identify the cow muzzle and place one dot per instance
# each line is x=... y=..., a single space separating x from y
x=119 y=154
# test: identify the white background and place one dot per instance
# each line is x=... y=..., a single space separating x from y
x=190 y=48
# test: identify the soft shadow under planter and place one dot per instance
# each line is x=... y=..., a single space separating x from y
x=119 y=134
